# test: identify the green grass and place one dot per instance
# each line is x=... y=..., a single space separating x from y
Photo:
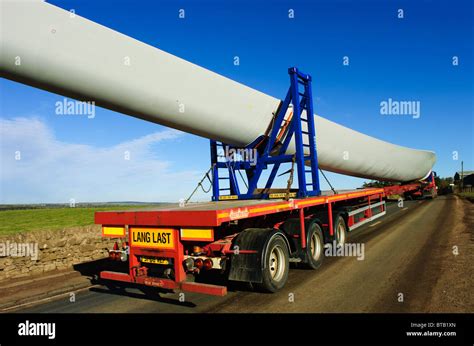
x=24 y=220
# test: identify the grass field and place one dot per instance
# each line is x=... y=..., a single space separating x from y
x=468 y=195
x=24 y=220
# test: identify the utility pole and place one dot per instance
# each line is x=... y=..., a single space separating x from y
x=462 y=176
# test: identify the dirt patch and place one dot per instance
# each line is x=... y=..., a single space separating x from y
x=454 y=289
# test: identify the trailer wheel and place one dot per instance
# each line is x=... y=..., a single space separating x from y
x=340 y=230
x=276 y=264
x=314 y=252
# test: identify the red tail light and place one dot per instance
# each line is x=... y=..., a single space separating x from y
x=198 y=263
x=207 y=264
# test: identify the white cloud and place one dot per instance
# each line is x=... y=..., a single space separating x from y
x=52 y=171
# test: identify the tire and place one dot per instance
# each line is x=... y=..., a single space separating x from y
x=276 y=264
x=340 y=230
x=314 y=252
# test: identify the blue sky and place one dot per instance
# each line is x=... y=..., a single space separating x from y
x=402 y=59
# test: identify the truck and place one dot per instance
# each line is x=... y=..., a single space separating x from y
x=248 y=237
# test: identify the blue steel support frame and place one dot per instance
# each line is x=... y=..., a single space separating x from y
x=302 y=103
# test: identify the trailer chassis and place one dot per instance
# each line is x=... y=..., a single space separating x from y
x=244 y=235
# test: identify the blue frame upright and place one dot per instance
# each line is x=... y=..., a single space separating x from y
x=268 y=150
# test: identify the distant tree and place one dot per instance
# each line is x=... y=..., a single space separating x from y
x=444 y=185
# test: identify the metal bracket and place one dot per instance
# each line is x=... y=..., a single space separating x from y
x=294 y=121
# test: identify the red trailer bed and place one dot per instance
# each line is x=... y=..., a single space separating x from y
x=212 y=214
x=164 y=240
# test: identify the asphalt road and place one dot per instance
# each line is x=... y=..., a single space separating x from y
x=408 y=266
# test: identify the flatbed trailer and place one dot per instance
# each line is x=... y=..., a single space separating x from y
x=249 y=236
x=212 y=233
x=168 y=247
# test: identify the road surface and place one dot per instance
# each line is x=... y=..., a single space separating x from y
x=418 y=258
